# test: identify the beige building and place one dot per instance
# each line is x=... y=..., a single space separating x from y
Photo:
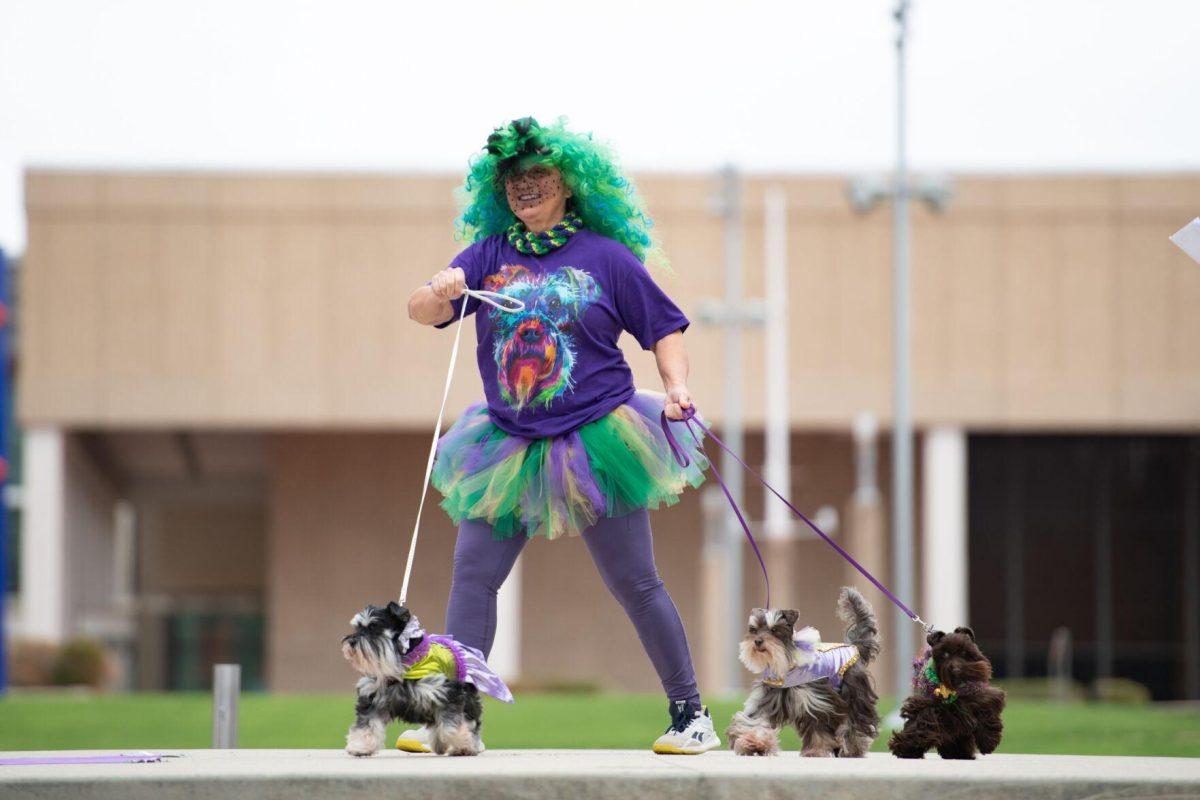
x=227 y=412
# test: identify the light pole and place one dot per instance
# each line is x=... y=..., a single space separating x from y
x=865 y=193
x=902 y=457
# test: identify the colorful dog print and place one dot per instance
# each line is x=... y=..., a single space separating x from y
x=534 y=348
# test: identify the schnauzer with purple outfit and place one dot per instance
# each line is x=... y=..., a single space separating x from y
x=823 y=690
x=563 y=444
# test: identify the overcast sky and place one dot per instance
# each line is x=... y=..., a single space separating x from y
x=803 y=85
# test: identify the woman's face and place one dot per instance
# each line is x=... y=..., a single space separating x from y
x=537 y=196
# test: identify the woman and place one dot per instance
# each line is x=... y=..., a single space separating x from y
x=564 y=444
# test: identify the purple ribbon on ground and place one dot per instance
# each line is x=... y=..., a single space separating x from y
x=682 y=459
x=26 y=761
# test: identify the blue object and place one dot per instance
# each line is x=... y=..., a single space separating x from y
x=5 y=400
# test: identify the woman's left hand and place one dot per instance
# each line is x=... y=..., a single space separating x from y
x=677 y=400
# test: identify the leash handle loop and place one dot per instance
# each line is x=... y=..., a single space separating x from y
x=509 y=305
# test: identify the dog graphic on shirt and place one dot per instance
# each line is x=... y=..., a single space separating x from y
x=534 y=348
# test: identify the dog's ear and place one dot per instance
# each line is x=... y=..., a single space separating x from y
x=790 y=615
x=586 y=290
x=756 y=614
x=399 y=612
x=970 y=633
x=508 y=273
x=934 y=637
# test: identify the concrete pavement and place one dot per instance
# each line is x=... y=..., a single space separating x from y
x=599 y=775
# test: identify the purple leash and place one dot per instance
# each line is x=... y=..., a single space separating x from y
x=26 y=761
x=682 y=459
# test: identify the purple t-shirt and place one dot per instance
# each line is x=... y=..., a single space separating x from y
x=556 y=365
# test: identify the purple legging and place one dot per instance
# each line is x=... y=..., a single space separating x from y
x=623 y=551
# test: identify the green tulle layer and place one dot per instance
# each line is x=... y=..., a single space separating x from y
x=562 y=485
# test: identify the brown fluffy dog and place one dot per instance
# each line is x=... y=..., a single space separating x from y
x=952 y=707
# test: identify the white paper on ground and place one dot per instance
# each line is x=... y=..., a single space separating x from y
x=1187 y=239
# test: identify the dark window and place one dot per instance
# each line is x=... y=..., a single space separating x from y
x=1094 y=533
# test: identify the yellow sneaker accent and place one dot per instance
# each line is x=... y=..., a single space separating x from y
x=409 y=745
x=696 y=738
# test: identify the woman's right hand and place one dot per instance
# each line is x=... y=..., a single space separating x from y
x=449 y=284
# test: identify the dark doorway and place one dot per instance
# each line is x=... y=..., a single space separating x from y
x=1100 y=534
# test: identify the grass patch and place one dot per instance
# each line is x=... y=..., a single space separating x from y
x=68 y=721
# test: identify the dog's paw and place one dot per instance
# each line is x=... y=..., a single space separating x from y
x=361 y=742
x=462 y=751
x=755 y=742
x=457 y=741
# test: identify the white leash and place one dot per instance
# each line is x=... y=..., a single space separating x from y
x=505 y=303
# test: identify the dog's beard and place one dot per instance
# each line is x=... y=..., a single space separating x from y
x=373 y=657
x=352 y=654
x=773 y=655
x=526 y=374
x=956 y=672
x=529 y=369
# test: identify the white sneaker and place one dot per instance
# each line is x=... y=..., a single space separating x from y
x=690 y=733
x=417 y=740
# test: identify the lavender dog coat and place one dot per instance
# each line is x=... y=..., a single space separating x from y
x=817 y=661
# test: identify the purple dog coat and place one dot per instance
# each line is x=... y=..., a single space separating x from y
x=452 y=658
x=818 y=661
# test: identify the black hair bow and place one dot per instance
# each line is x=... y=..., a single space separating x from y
x=511 y=143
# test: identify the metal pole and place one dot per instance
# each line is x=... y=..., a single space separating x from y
x=778 y=422
x=902 y=456
x=730 y=469
x=227 y=679
x=1014 y=560
x=1104 y=568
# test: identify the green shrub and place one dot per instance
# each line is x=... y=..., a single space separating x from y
x=81 y=662
x=31 y=662
x=1041 y=689
x=1119 y=690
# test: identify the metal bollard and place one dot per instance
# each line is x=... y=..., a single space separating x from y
x=227 y=679
x=1059 y=665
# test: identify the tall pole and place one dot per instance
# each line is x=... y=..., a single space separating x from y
x=902 y=455
x=778 y=423
x=730 y=469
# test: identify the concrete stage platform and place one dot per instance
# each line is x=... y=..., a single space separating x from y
x=598 y=775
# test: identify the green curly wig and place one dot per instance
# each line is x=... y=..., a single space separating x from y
x=605 y=199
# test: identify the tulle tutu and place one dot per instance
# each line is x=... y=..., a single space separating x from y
x=563 y=484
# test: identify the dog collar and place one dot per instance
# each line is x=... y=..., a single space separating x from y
x=416 y=653
x=926 y=681
x=938 y=689
x=527 y=242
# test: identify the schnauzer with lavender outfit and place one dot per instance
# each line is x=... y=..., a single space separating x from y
x=822 y=689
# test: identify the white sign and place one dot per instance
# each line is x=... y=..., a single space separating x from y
x=1187 y=239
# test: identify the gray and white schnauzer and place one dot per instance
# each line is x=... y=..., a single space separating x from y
x=822 y=689
x=377 y=648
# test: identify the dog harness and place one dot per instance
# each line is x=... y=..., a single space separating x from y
x=820 y=661
x=442 y=655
